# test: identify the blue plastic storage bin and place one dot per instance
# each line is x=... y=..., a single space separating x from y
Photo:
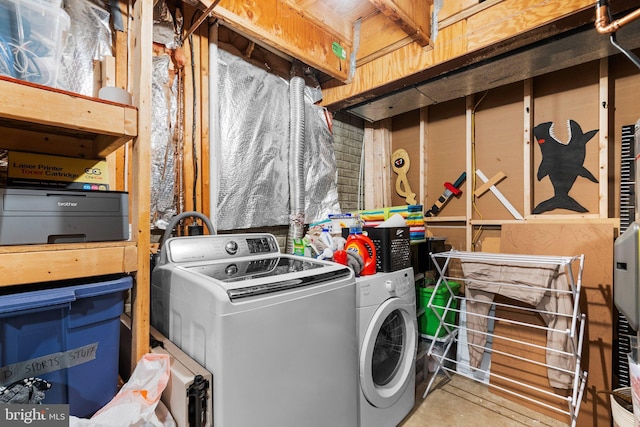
x=69 y=336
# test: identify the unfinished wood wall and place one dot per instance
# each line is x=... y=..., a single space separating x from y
x=493 y=132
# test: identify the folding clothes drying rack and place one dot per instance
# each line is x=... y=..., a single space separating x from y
x=570 y=267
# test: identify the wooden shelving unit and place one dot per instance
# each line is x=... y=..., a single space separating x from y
x=50 y=121
x=31 y=120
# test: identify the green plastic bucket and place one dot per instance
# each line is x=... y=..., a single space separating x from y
x=428 y=322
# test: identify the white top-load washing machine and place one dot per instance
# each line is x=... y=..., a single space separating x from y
x=388 y=338
x=277 y=331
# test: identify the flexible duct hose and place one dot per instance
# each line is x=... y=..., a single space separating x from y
x=296 y=162
x=176 y=219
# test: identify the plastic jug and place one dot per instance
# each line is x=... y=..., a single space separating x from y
x=358 y=242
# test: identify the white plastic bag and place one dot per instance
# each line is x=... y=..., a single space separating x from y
x=138 y=401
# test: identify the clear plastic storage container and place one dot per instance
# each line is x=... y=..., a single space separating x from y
x=32 y=37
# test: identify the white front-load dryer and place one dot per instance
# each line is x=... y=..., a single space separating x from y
x=388 y=339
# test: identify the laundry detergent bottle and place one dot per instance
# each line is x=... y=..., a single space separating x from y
x=361 y=244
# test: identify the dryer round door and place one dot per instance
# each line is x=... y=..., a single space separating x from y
x=388 y=352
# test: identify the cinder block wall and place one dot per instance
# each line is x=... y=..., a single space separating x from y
x=348 y=134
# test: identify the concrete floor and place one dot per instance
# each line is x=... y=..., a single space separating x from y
x=464 y=402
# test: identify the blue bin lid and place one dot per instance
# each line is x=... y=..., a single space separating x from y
x=12 y=303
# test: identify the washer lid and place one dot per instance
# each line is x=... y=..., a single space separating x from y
x=388 y=352
x=249 y=277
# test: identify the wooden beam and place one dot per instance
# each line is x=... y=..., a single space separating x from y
x=323 y=16
x=452 y=12
x=276 y=24
x=372 y=45
x=414 y=17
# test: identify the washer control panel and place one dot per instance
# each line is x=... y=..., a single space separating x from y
x=377 y=287
x=218 y=246
x=402 y=284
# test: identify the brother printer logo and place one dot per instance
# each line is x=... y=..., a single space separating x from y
x=67 y=204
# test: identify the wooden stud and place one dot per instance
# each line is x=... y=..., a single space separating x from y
x=108 y=71
x=424 y=161
x=603 y=136
x=470 y=100
x=108 y=79
x=141 y=46
x=528 y=146
x=384 y=154
x=369 y=169
x=214 y=127
x=122 y=73
x=190 y=82
x=97 y=77
x=202 y=187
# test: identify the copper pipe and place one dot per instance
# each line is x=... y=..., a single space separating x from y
x=602 y=18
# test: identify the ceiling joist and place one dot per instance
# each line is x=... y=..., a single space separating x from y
x=414 y=17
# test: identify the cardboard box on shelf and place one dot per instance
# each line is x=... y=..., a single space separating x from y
x=39 y=170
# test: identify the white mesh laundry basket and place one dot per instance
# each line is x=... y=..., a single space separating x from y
x=622 y=417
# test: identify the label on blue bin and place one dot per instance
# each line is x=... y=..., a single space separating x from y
x=34 y=415
x=49 y=363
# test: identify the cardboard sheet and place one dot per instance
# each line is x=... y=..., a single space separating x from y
x=595 y=241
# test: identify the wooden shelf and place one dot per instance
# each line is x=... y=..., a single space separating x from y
x=495 y=222
x=41 y=263
x=51 y=121
x=460 y=218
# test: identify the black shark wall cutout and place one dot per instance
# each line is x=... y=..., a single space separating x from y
x=563 y=163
